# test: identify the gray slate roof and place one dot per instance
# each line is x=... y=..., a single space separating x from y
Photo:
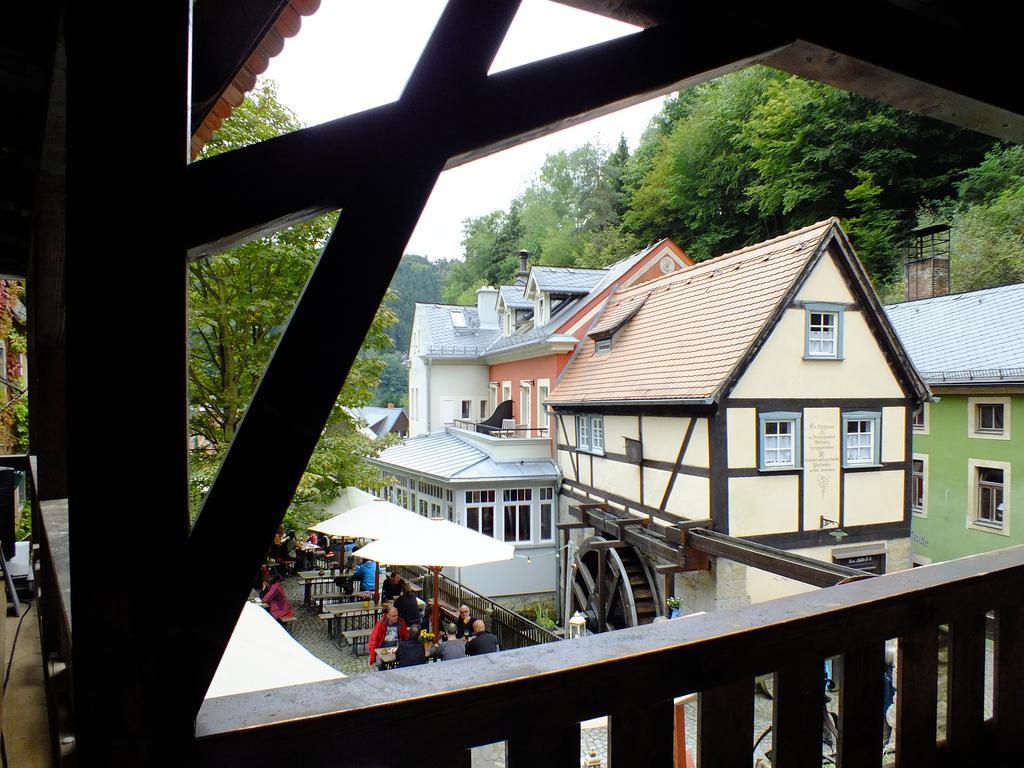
x=608 y=275
x=445 y=340
x=566 y=279
x=512 y=295
x=447 y=457
x=964 y=338
x=380 y=420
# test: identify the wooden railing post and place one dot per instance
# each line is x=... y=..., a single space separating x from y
x=965 y=695
x=1007 y=698
x=642 y=736
x=917 y=675
x=860 y=707
x=798 y=714
x=559 y=748
x=725 y=725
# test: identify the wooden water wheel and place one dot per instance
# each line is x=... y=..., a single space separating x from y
x=629 y=593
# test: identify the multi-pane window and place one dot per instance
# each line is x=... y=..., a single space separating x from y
x=430 y=489
x=778 y=443
x=590 y=433
x=779 y=440
x=466 y=406
x=989 y=417
x=821 y=340
x=861 y=439
x=547 y=532
x=919 y=418
x=542 y=414
x=435 y=510
x=480 y=511
x=990 y=497
x=517 y=509
x=525 y=406
x=423 y=507
x=917 y=486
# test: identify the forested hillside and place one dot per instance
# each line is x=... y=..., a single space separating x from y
x=741 y=159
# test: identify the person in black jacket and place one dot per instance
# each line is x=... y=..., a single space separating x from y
x=483 y=641
x=393 y=587
x=410 y=652
x=407 y=606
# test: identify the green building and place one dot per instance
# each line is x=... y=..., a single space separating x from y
x=968 y=444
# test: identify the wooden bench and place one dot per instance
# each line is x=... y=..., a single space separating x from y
x=287 y=622
x=359 y=639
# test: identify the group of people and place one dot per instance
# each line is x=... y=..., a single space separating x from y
x=466 y=636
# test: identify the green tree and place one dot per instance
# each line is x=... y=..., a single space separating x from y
x=239 y=303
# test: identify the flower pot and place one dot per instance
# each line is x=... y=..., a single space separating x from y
x=674 y=613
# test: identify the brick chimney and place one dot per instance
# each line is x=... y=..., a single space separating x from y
x=524 y=264
x=926 y=262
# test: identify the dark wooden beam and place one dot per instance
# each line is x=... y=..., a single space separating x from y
x=777 y=561
x=254 y=486
x=725 y=724
x=139 y=671
x=296 y=177
x=223 y=39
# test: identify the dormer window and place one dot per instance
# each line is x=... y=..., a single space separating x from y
x=458 y=318
x=603 y=346
x=824 y=336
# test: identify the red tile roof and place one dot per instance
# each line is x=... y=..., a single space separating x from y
x=693 y=327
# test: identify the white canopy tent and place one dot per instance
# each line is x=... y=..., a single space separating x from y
x=438 y=544
x=261 y=654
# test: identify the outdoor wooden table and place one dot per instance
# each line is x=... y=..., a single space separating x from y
x=309 y=577
x=350 y=617
x=387 y=657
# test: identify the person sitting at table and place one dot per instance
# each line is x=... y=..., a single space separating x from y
x=313 y=540
x=451 y=648
x=408 y=607
x=366 y=575
x=464 y=624
x=410 y=652
x=387 y=633
x=393 y=586
x=273 y=595
x=483 y=641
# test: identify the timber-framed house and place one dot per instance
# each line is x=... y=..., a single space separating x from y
x=762 y=392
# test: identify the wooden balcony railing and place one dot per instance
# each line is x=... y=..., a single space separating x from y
x=534 y=698
x=512 y=629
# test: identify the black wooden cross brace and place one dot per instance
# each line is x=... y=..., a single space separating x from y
x=254 y=485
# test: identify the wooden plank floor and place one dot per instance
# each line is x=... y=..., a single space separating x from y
x=26 y=728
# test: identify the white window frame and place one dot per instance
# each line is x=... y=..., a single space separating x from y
x=922 y=510
x=582 y=432
x=875 y=418
x=973 y=495
x=493 y=390
x=794 y=419
x=543 y=391
x=506 y=391
x=974 y=430
x=545 y=498
x=479 y=506
x=836 y=311
x=517 y=506
x=526 y=404
x=603 y=346
x=924 y=429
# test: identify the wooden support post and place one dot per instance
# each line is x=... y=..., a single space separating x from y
x=725 y=725
x=797 y=714
x=965 y=697
x=860 y=707
x=642 y=736
x=559 y=748
x=602 y=592
x=1008 y=693
x=917 y=669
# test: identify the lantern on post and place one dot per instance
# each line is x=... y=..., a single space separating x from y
x=577 y=625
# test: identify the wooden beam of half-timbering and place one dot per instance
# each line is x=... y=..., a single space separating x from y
x=292 y=178
x=256 y=483
x=777 y=561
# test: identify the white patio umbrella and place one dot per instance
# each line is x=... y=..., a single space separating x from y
x=373 y=519
x=438 y=544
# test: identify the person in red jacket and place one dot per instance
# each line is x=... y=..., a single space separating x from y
x=387 y=634
x=273 y=595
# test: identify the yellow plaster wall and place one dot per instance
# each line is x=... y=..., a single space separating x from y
x=762 y=586
x=697 y=453
x=873 y=497
x=565 y=462
x=583 y=459
x=663 y=436
x=655 y=482
x=741 y=424
x=691 y=497
x=617 y=477
x=826 y=283
x=763 y=504
x=894 y=432
x=779 y=369
x=616 y=428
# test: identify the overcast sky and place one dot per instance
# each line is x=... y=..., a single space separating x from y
x=352 y=55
